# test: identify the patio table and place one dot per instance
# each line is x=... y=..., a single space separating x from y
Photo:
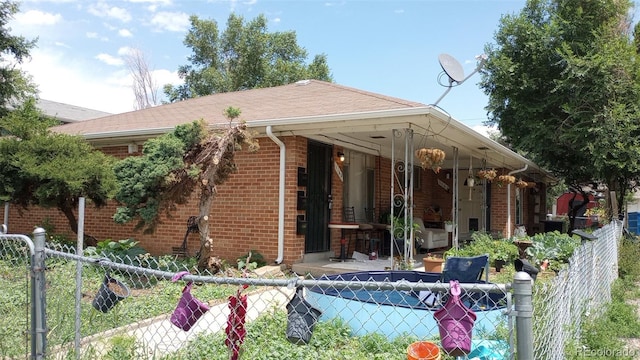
x=343 y=241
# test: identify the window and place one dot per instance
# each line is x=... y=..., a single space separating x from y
x=359 y=182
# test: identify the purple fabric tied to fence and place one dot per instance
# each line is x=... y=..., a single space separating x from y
x=189 y=309
x=455 y=323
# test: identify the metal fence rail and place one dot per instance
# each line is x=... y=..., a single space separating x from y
x=156 y=337
x=581 y=289
x=126 y=308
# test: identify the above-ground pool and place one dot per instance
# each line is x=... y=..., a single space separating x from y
x=395 y=313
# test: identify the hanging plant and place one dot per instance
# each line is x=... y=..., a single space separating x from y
x=531 y=184
x=521 y=184
x=506 y=179
x=488 y=174
x=430 y=158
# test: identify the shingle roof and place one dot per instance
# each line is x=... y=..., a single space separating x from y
x=301 y=99
x=68 y=113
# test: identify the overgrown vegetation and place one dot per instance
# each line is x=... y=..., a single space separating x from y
x=603 y=337
x=554 y=247
x=483 y=243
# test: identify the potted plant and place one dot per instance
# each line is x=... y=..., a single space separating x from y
x=430 y=158
x=433 y=263
x=503 y=251
x=448 y=226
x=399 y=227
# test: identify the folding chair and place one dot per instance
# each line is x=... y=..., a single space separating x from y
x=466 y=269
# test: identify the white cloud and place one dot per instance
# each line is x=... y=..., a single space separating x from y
x=95 y=35
x=125 y=50
x=485 y=130
x=171 y=21
x=103 y=10
x=37 y=17
x=110 y=60
x=276 y=20
x=164 y=76
x=154 y=2
x=76 y=83
x=72 y=81
x=125 y=33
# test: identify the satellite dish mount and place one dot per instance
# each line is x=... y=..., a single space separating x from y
x=454 y=71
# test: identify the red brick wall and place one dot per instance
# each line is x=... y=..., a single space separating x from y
x=243 y=216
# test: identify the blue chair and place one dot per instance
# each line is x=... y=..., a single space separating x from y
x=466 y=269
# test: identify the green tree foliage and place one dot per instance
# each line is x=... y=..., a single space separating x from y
x=562 y=81
x=45 y=169
x=172 y=167
x=146 y=181
x=15 y=86
x=244 y=56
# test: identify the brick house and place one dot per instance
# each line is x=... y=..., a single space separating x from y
x=323 y=147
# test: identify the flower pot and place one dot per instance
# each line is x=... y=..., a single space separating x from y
x=432 y=264
x=498 y=264
x=110 y=293
x=301 y=319
x=423 y=350
x=188 y=310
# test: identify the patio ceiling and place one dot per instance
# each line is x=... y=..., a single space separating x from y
x=372 y=132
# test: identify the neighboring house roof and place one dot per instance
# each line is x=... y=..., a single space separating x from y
x=319 y=110
x=68 y=113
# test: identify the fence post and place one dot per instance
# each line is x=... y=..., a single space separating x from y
x=38 y=301
x=523 y=298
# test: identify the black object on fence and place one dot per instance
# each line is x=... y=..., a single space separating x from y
x=524 y=265
x=111 y=292
x=301 y=319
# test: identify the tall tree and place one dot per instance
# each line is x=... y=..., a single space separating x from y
x=244 y=56
x=40 y=168
x=15 y=86
x=562 y=81
x=145 y=88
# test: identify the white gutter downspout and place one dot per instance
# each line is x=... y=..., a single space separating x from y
x=509 y=200
x=280 y=194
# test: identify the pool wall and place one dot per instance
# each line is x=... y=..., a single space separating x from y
x=395 y=313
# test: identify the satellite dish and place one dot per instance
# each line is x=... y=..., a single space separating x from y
x=451 y=67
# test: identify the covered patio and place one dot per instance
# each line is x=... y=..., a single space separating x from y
x=462 y=196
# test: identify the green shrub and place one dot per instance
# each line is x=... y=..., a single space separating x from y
x=126 y=250
x=483 y=243
x=628 y=264
x=256 y=259
x=553 y=246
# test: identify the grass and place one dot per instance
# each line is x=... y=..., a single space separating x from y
x=266 y=340
x=604 y=337
x=158 y=299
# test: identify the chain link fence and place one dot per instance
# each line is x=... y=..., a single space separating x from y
x=108 y=306
x=580 y=290
x=16 y=252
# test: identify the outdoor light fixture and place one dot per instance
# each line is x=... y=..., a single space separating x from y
x=341 y=155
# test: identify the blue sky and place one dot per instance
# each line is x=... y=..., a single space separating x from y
x=387 y=47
